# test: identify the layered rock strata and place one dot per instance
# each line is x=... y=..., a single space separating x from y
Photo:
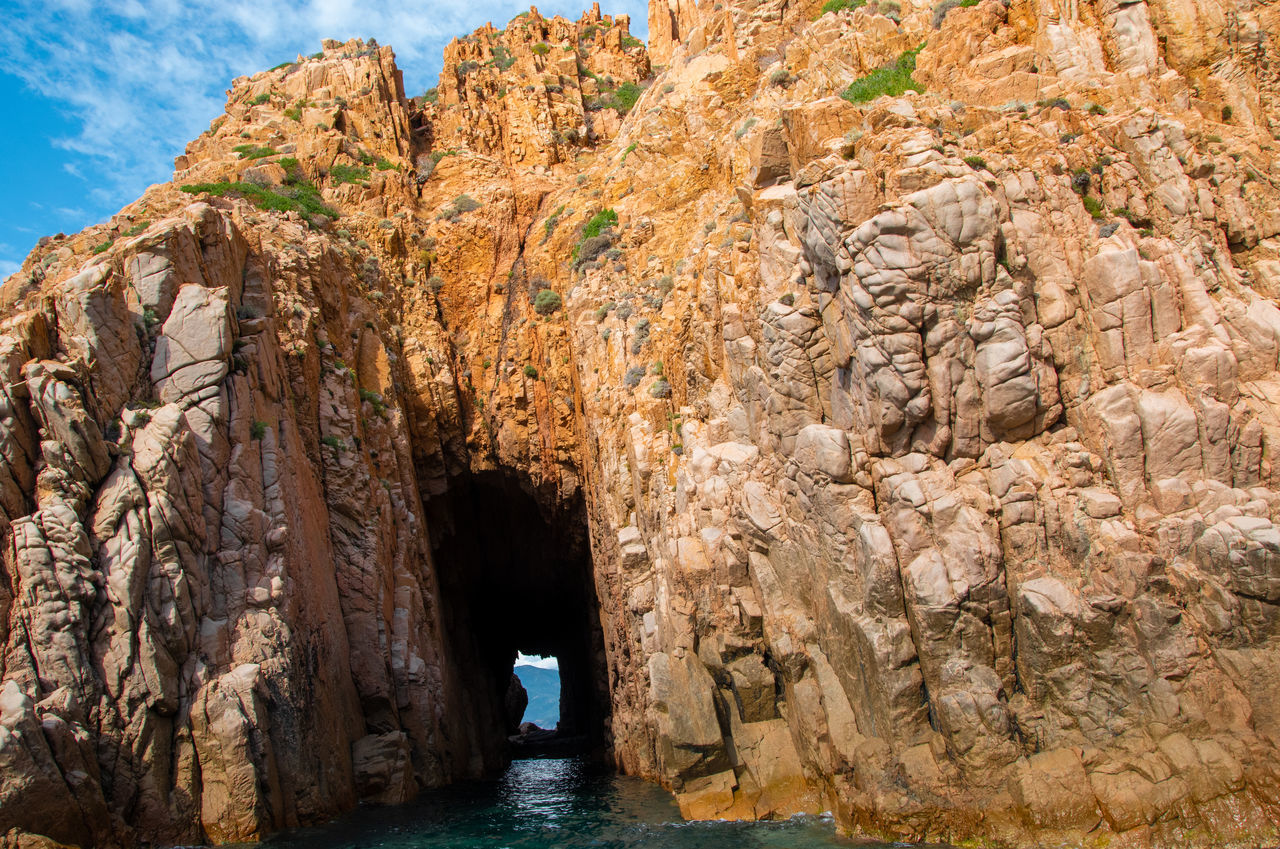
x=910 y=458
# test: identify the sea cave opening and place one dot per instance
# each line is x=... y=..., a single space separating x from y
x=516 y=580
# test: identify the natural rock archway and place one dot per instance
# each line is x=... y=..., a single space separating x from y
x=515 y=576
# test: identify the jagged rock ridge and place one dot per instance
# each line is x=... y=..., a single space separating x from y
x=910 y=458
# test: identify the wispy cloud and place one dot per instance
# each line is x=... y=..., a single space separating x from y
x=8 y=267
x=142 y=77
x=537 y=660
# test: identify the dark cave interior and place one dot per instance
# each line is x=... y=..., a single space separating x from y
x=516 y=575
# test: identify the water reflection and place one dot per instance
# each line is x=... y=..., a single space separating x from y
x=538 y=804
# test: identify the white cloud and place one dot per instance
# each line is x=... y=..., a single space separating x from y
x=143 y=77
x=537 y=660
x=8 y=267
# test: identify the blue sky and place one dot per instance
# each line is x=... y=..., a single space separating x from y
x=101 y=96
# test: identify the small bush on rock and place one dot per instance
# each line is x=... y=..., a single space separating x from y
x=840 y=6
x=546 y=302
x=894 y=80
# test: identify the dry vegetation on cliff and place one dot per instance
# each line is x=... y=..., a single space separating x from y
x=898 y=384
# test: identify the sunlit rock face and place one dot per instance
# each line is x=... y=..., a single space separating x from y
x=910 y=458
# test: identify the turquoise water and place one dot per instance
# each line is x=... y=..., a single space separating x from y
x=538 y=804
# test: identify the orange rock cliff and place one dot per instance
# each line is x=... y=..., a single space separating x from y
x=906 y=454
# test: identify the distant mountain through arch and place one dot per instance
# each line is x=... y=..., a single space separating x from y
x=542 y=683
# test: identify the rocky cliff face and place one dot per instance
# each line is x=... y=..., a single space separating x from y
x=911 y=457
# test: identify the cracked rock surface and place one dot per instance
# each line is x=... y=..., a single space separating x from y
x=926 y=445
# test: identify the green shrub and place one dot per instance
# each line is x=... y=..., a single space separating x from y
x=633 y=377
x=462 y=203
x=294 y=112
x=502 y=58
x=137 y=229
x=1095 y=109
x=541 y=48
x=334 y=442
x=893 y=80
x=891 y=9
x=546 y=302
x=1081 y=181
x=550 y=225
x=588 y=250
x=301 y=197
x=660 y=388
x=623 y=98
x=257 y=430
x=104 y=247
x=431 y=95
x=531 y=372
x=1093 y=206
x=435 y=283
x=630 y=42
x=250 y=151
x=260 y=99
x=602 y=220
x=1227 y=112
x=379 y=162
x=375 y=400
x=292 y=168
x=627 y=95
x=840 y=6
x=348 y=174
x=781 y=77
x=976 y=162
x=1129 y=215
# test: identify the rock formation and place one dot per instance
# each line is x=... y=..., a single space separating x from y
x=912 y=457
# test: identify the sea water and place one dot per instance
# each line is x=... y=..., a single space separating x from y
x=562 y=803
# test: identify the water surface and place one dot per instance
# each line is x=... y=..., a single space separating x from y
x=547 y=803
